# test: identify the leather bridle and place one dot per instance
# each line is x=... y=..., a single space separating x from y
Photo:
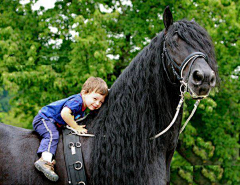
x=184 y=84
x=189 y=59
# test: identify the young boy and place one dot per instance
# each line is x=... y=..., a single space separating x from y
x=64 y=112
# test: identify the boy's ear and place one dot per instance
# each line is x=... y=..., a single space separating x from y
x=83 y=92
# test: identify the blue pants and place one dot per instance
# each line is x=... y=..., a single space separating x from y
x=49 y=133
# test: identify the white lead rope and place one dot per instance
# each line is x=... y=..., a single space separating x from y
x=173 y=120
x=193 y=111
x=169 y=126
x=166 y=129
x=175 y=117
x=76 y=132
x=177 y=112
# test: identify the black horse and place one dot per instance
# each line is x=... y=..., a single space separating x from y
x=141 y=103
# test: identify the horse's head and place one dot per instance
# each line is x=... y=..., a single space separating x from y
x=188 y=49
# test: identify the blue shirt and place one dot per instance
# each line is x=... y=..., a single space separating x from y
x=53 y=110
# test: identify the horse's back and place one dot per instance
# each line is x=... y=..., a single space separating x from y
x=15 y=141
x=8 y=130
x=18 y=149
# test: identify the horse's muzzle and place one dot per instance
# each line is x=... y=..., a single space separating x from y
x=201 y=81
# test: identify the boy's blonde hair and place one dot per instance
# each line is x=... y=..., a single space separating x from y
x=95 y=84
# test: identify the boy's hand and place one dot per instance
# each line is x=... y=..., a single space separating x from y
x=67 y=117
x=80 y=129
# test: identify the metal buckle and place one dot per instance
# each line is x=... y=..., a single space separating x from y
x=81 y=182
x=76 y=163
x=78 y=144
x=71 y=144
x=183 y=87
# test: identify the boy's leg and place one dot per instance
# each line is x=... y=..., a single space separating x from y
x=50 y=136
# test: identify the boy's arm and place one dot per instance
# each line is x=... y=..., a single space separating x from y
x=68 y=118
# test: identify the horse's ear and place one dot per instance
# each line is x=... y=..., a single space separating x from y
x=167 y=18
x=193 y=20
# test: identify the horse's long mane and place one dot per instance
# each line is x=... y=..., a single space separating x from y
x=141 y=103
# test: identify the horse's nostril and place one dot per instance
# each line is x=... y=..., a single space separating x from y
x=203 y=90
x=198 y=77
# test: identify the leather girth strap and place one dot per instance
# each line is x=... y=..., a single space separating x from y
x=73 y=158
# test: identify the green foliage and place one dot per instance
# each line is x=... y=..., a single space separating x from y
x=182 y=175
x=216 y=122
x=205 y=174
x=4 y=101
x=46 y=55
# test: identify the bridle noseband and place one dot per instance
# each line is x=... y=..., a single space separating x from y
x=184 y=84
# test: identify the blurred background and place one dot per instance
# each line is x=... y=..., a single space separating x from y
x=48 y=48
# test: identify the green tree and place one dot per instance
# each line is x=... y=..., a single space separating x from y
x=37 y=62
x=211 y=142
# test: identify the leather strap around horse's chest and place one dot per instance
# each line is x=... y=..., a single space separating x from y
x=73 y=158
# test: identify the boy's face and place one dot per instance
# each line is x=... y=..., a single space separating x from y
x=93 y=100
